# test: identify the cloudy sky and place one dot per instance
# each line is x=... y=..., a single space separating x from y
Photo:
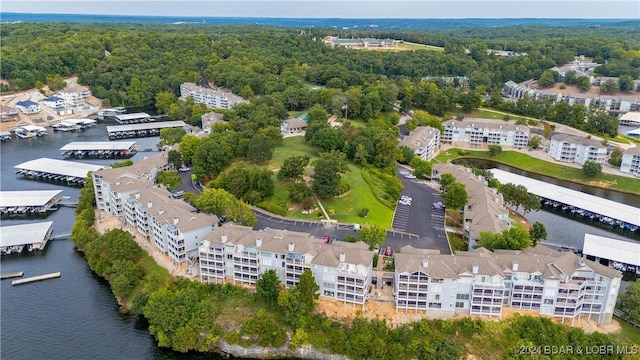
x=588 y=9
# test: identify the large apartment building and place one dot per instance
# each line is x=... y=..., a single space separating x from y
x=481 y=282
x=480 y=133
x=215 y=98
x=631 y=161
x=240 y=254
x=424 y=141
x=485 y=209
x=74 y=95
x=112 y=186
x=576 y=149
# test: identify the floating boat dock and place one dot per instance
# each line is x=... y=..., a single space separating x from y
x=100 y=149
x=36 y=278
x=74 y=124
x=11 y=275
x=16 y=203
x=67 y=172
x=34 y=236
x=110 y=113
x=596 y=208
x=134 y=118
x=5 y=135
x=141 y=130
x=29 y=131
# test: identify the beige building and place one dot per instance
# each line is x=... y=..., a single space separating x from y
x=424 y=141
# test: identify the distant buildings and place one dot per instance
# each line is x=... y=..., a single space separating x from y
x=480 y=133
x=631 y=161
x=8 y=113
x=237 y=253
x=485 y=210
x=214 y=98
x=481 y=282
x=54 y=102
x=576 y=149
x=459 y=82
x=424 y=141
x=293 y=126
x=360 y=42
x=28 y=107
x=210 y=119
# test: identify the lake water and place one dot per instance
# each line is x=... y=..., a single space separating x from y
x=75 y=316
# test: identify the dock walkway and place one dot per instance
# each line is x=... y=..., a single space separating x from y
x=36 y=278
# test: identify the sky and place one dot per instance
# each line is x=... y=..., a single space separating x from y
x=426 y=9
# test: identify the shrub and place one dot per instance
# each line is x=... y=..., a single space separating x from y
x=350 y=239
x=364 y=213
x=275 y=206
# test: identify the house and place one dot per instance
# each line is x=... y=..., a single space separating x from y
x=631 y=161
x=577 y=149
x=74 y=95
x=485 y=210
x=293 y=126
x=481 y=282
x=54 y=102
x=210 y=119
x=240 y=254
x=480 y=133
x=28 y=107
x=424 y=141
x=8 y=113
x=214 y=98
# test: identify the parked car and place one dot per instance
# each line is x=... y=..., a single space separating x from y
x=184 y=169
x=388 y=251
x=326 y=239
x=410 y=176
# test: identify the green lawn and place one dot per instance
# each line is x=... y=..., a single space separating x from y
x=526 y=162
x=347 y=207
x=414 y=46
x=629 y=332
x=488 y=114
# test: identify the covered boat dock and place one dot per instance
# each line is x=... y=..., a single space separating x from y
x=134 y=118
x=15 y=203
x=622 y=255
x=34 y=236
x=141 y=130
x=100 y=149
x=596 y=208
x=67 y=172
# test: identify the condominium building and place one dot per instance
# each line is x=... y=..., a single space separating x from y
x=54 y=102
x=481 y=282
x=480 y=133
x=576 y=149
x=28 y=107
x=631 y=161
x=485 y=210
x=424 y=141
x=240 y=254
x=74 y=95
x=215 y=98
x=173 y=226
x=112 y=186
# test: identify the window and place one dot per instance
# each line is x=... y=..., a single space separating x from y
x=459 y=305
x=462 y=297
x=548 y=301
x=437 y=296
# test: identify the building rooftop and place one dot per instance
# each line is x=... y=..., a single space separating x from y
x=53 y=98
x=626 y=252
x=26 y=103
x=419 y=137
x=631 y=116
x=294 y=123
x=632 y=151
x=99 y=145
x=59 y=167
x=133 y=116
x=24 y=234
x=27 y=198
x=487 y=124
x=595 y=204
x=146 y=126
x=578 y=140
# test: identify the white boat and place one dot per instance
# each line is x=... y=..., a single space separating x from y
x=28 y=131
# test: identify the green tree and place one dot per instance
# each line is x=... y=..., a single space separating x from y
x=298 y=302
x=514 y=238
x=446 y=180
x=175 y=159
x=308 y=290
x=189 y=147
x=629 y=301
x=625 y=82
x=246 y=92
x=164 y=99
x=123 y=163
x=531 y=203
x=421 y=169
x=213 y=154
x=169 y=179
x=583 y=83
x=268 y=286
x=495 y=150
x=326 y=174
x=537 y=232
x=172 y=135
x=546 y=79
x=591 y=168
x=534 y=142
x=407 y=154
x=260 y=148
x=601 y=122
x=615 y=158
x=372 y=235
x=610 y=86
x=456 y=196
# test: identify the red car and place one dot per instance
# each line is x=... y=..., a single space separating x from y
x=388 y=251
x=326 y=239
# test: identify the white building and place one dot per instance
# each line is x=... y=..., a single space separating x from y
x=173 y=226
x=481 y=282
x=54 y=102
x=631 y=161
x=480 y=133
x=28 y=107
x=74 y=95
x=215 y=98
x=576 y=149
x=424 y=141
x=239 y=254
x=112 y=186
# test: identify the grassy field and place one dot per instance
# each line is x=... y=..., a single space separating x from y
x=488 y=114
x=414 y=46
x=526 y=162
x=629 y=332
x=347 y=207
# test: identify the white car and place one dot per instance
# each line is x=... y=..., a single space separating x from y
x=405 y=202
x=410 y=176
